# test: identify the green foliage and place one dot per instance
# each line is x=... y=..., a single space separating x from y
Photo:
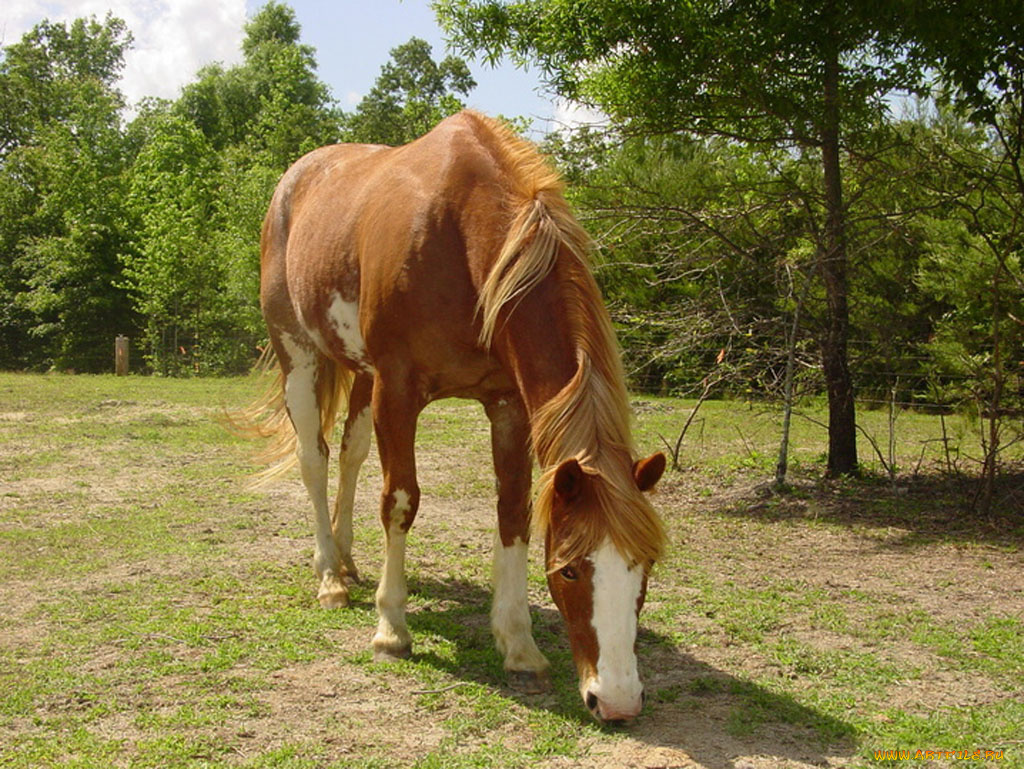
x=61 y=182
x=978 y=54
x=786 y=76
x=894 y=243
x=751 y=70
x=175 y=276
x=206 y=169
x=272 y=104
x=689 y=234
x=978 y=341
x=151 y=229
x=43 y=77
x=706 y=200
x=411 y=95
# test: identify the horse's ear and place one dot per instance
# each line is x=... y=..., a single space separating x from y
x=569 y=480
x=647 y=472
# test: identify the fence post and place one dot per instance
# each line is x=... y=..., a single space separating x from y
x=121 y=355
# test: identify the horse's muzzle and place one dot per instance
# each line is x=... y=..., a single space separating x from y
x=613 y=712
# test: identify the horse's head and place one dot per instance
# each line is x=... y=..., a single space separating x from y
x=597 y=564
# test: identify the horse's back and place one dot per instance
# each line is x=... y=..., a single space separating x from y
x=298 y=211
x=382 y=237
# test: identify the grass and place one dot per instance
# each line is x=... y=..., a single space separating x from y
x=728 y=436
x=158 y=614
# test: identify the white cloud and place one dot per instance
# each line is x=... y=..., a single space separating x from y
x=570 y=114
x=172 y=38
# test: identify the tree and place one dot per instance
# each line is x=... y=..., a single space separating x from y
x=43 y=76
x=979 y=341
x=974 y=266
x=802 y=77
x=411 y=95
x=206 y=168
x=980 y=58
x=273 y=103
x=174 y=274
x=692 y=236
x=61 y=193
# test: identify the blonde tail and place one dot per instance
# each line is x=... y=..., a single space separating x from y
x=267 y=417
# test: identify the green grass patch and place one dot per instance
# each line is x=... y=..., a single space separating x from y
x=160 y=614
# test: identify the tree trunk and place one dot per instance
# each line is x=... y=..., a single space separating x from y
x=782 y=465
x=842 y=422
x=990 y=447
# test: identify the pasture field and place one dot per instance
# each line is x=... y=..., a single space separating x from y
x=156 y=613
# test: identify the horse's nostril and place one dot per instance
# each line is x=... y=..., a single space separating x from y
x=591 y=701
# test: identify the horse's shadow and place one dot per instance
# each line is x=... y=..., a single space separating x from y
x=711 y=715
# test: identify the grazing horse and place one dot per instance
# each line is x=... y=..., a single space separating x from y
x=453 y=267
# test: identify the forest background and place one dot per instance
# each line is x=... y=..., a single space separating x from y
x=788 y=199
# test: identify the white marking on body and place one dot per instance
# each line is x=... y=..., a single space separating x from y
x=510 y=611
x=392 y=634
x=401 y=498
x=616 y=592
x=344 y=318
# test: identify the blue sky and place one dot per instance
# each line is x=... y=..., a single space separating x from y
x=353 y=38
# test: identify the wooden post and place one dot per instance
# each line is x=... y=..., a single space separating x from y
x=121 y=355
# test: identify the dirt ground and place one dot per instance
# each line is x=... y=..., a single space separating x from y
x=845 y=546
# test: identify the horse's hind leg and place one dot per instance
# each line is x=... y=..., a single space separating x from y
x=305 y=367
x=510 y=611
x=355 y=446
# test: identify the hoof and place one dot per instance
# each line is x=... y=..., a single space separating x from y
x=333 y=594
x=529 y=681
x=334 y=599
x=396 y=654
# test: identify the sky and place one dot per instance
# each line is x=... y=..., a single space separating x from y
x=352 y=38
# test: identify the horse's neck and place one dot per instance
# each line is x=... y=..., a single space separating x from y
x=564 y=398
x=535 y=341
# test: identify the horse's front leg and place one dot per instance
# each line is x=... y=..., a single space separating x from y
x=510 y=611
x=395 y=410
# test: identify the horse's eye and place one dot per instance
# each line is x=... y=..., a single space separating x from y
x=569 y=573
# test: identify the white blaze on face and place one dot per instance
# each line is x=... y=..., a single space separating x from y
x=616 y=592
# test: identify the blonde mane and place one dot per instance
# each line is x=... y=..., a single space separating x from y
x=589 y=419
